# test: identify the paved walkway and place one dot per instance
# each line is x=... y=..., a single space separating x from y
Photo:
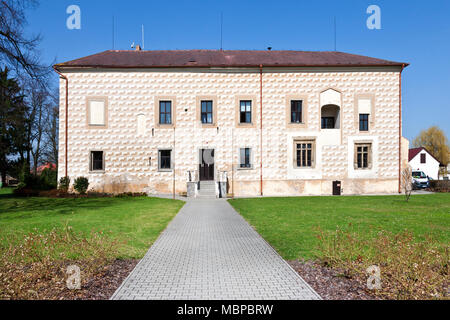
x=209 y=252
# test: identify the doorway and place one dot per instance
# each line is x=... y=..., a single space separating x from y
x=206 y=165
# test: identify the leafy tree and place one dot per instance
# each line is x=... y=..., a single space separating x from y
x=434 y=140
x=12 y=120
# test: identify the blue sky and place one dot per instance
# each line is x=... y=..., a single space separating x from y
x=417 y=32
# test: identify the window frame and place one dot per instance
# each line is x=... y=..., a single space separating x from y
x=157 y=110
x=306 y=141
x=91 y=161
x=245 y=112
x=364 y=121
x=254 y=111
x=207 y=112
x=250 y=162
x=372 y=117
x=165 y=112
x=423 y=158
x=369 y=151
x=160 y=169
x=105 y=112
x=300 y=112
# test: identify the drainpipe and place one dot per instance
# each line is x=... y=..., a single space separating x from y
x=261 y=123
x=66 y=118
x=174 y=149
x=400 y=132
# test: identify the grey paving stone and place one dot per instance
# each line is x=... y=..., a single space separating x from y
x=209 y=251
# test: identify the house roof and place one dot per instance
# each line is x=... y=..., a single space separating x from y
x=415 y=151
x=223 y=58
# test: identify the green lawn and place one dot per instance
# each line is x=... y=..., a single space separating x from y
x=290 y=224
x=135 y=222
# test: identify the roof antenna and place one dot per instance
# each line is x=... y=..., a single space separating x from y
x=143 y=40
x=221 y=31
x=113 y=32
x=335 y=33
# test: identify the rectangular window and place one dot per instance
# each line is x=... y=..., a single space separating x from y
x=97 y=113
x=246 y=111
x=165 y=159
x=304 y=154
x=363 y=156
x=207 y=112
x=296 y=111
x=165 y=112
x=245 y=161
x=363 y=122
x=423 y=158
x=327 y=122
x=97 y=162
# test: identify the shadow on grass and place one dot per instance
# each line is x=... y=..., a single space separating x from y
x=10 y=203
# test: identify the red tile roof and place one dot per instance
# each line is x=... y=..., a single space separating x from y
x=414 y=151
x=224 y=58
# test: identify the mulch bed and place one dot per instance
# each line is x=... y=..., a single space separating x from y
x=102 y=285
x=331 y=284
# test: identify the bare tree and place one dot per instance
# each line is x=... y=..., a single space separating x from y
x=407 y=182
x=51 y=131
x=17 y=51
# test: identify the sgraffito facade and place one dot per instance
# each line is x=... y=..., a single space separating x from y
x=153 y=129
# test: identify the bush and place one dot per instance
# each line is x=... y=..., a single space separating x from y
x=81 y=185
x=64 y=184
x=48 y=179
x=440 y=185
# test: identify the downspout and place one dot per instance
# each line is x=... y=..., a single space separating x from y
x=66 y=119
x=174 y=149
x=400 y=132
x=261 y=123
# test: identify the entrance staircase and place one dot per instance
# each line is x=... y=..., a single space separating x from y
x=207 y=189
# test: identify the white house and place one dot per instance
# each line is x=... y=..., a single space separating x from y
x=421 y=159
x=264 y=122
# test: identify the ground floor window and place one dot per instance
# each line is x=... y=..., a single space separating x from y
x=304 y=153
x=97 y=162
x=245 y=158
x=363 y=156
x=165 y=159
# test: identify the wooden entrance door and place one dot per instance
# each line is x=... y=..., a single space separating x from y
x=206 y=166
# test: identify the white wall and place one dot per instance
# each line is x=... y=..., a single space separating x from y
x=430 y=168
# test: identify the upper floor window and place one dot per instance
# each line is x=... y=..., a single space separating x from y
x=304 y=153
x=363 y=156
x=207 y=112
x=363 y=122
x=423 y=158
x=245 y=158
x=165 y=112
x=97 y=161
x=296 y=111
x=97 y=112
x=245 y=111
x=330 y=117
x=327 y=122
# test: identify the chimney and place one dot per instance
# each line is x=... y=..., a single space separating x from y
x=138 y=48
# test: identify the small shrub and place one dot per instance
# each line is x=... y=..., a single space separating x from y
x=64 y=184
x=81 y=184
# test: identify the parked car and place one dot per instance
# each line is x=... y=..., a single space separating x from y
x=420 y=180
